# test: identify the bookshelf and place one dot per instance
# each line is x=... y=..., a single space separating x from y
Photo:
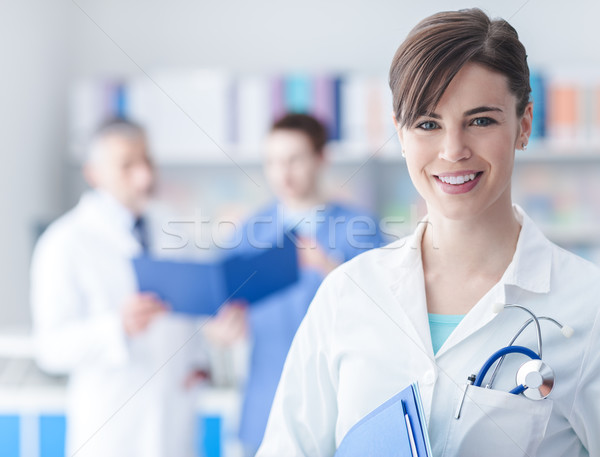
x=555 y=180
x=354 y=154
x=382 y=184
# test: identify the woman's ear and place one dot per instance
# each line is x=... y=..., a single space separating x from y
x=397 y=126
x=525 y=126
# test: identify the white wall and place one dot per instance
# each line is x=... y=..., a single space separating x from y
x=32 y=86
x=47 y=44
x=310 y=34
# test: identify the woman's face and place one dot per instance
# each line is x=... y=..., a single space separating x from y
x=292 y=165
x=461 y=157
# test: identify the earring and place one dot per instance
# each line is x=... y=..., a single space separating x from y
x=524 y=146
x=403 y=153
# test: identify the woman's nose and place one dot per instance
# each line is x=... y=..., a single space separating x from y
x=454 y=147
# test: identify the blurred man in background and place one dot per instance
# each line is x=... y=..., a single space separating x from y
x=126 y=355
x=328 y=233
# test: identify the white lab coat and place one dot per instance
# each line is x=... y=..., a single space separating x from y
x=125 y=395
x=366 y=337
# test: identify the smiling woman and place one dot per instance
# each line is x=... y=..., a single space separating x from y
x=467 y=145
x=460 y=85
x=459 y=147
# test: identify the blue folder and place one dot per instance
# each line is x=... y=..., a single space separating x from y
x=201 y=288
x=384 y=433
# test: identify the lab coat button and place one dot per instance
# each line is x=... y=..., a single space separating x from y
x=429 y=377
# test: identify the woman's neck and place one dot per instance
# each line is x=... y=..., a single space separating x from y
x=486 y=243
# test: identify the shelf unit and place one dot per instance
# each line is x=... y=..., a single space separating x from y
x=357 y=154
x=379 y=180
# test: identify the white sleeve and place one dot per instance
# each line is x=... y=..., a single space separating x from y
x=66 y=334
x=304 y=412
x=585 y=416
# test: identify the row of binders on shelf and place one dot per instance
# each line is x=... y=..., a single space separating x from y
x=564 y=200
x=198 y=115
x=567 y=108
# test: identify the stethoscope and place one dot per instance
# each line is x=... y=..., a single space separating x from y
x=535 y=379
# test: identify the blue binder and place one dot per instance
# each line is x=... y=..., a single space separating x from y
x=384 y=432
x=201 y=288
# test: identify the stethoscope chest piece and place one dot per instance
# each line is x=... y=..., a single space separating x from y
x=537 y=377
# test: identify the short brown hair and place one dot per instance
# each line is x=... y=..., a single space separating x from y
x=303 y=123
x=440 y=45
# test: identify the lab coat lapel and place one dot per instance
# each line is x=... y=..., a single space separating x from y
x=408 y=287
x=481 y=314
x=529 y=271
x=111 y=226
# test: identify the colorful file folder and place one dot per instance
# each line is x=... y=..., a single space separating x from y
x=384 y=431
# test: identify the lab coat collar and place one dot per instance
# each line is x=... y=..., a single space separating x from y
x=104 y=214
x=530 y=270
x=404 y=254
x=531 y=265
x=402 y=259
x=113 y=209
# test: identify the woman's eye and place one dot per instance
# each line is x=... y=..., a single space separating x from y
x=482 y=121
x=427 y=125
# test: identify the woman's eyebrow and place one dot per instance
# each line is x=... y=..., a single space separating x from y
x=479 y=109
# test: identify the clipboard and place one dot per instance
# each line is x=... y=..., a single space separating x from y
x=383 y=432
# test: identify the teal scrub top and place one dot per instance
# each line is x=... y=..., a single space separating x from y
x=441 y=326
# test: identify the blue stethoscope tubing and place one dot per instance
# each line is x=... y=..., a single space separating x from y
x=501 y=353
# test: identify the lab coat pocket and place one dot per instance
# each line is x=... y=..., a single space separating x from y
x=495 y=423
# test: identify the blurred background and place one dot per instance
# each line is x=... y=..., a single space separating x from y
x=207 y=79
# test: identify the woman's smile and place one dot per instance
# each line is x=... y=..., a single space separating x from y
x=458 y=182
